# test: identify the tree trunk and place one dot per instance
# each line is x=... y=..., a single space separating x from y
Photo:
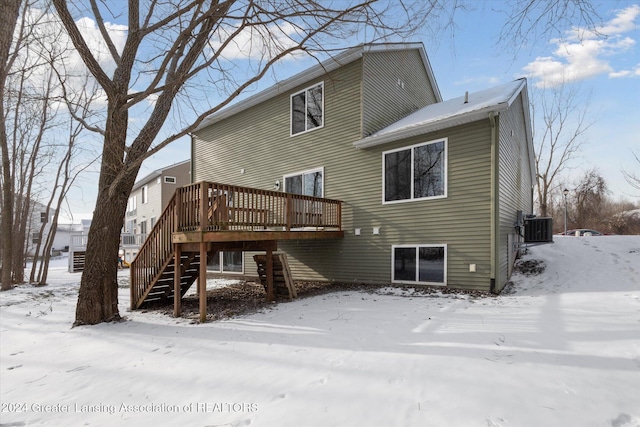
x=98 y=297
x=9 y=10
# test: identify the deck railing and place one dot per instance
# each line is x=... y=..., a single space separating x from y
x=209 y=206
x=79 y=241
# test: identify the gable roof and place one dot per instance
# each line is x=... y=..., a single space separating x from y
x=158 y=172
x=454 y=112
x=319 y=70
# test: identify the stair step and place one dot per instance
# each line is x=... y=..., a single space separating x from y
x=282 y=281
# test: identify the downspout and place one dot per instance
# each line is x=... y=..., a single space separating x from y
x=494 y=201
x=193 y=150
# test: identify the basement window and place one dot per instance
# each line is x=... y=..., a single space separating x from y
x=419 y=264
x=226 y=262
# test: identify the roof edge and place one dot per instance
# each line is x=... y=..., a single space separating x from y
x=457 y=120
x=334 y=62
x=145 y=179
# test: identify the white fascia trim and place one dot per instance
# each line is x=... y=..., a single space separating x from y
x=529 y=133
x=410 y=131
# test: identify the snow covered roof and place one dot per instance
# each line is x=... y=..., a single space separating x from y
x=318 y=70
x=454 y=112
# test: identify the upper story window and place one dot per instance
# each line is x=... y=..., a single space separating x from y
x=418 y=172
x=132 y=205
x=307 y=109
x=308 y=183
x=145 y=194
x=170 y=179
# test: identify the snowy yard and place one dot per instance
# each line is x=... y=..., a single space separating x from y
x=561 y=349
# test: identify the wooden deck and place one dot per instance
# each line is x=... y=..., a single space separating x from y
x=206 y=217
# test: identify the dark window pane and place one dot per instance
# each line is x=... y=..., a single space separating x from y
x=213 y=262
x=298 y=113
x=404 y=264
x=232 y=262
x=293 y=184
x=313 y=184
x=428 y=178
x=431 y=264
x=397 y=176
x=314 y=107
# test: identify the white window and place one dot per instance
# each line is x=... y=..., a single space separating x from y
x=226 y=262
x=170 y=179
x=308 y=183
x=132 y=204
x=418 y=172
x=153 y=221
x=145 y=194
x=420 y=264
x=307 y=109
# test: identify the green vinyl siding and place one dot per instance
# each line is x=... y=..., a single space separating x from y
x=461 y=221
x=258 y=140
x=395 y=84
x=254 y=148
x=515 y=182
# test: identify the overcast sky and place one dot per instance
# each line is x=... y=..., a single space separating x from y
x=604 y=66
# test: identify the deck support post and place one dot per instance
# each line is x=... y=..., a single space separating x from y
x=269 y=273
x=202 y=282
x=177 y=273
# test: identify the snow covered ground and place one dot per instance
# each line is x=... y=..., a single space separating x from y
x=561 y=349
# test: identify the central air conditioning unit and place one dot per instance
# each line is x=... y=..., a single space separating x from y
x=538 y=230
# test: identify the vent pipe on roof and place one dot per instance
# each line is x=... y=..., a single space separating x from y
x=466 y=97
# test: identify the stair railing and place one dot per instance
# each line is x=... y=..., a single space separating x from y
x=153 y=255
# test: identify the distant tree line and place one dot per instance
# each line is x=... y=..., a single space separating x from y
x=589 y=205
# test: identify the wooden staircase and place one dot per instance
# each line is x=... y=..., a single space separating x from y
x=162 y=290
x=282 y=280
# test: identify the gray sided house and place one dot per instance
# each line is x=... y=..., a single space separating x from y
x=431 y=189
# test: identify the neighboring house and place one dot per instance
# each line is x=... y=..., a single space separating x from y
x=62 y=240
x=148 y=199
x=37 y=216
x=431 y=189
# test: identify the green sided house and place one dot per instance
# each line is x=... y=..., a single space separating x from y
x=431 y=188
x=428 y=191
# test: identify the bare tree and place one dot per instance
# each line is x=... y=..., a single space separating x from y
x=560 y=122
x=528 y=21
x=9 y=12
x=79 y=107
x=633 y=177
x=170 y=51
x=31 y=120
x=29 y=123
x=589 y=201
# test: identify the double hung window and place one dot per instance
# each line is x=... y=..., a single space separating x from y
x=307 y=109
